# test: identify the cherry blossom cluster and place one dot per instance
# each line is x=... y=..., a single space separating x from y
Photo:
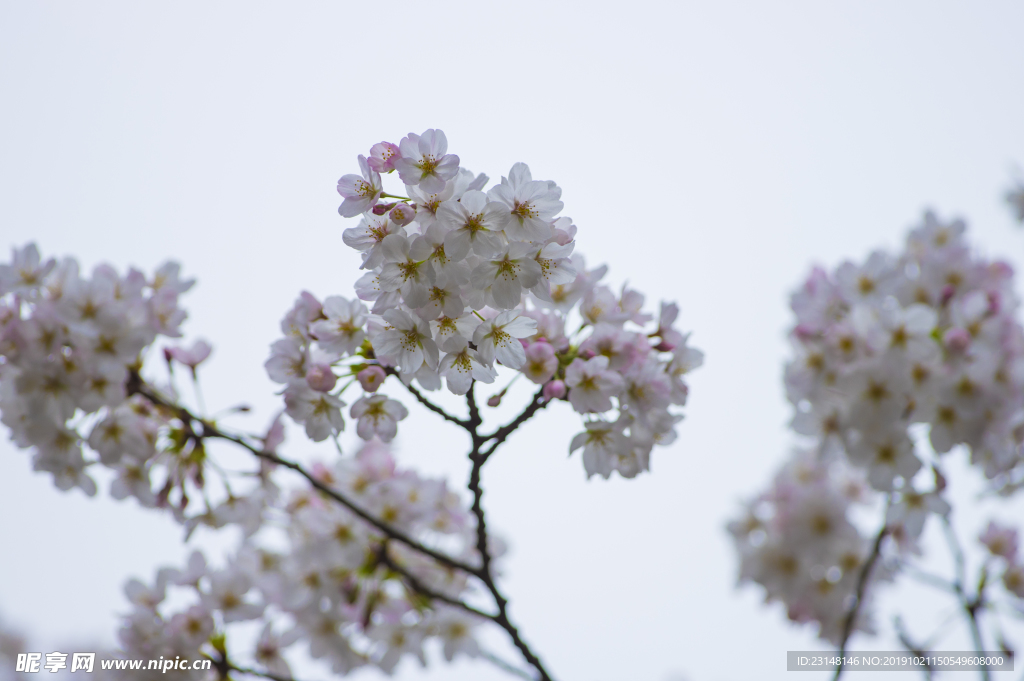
x=927 y=337
x=921 y=344
x=797 y=541
x=459 y=282
x=330 y=587
x=68 y=343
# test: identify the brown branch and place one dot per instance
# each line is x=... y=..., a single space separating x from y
x=422 y=399
x=415 y=584
x=970 y=606
x=862 y=582
x=475 y=421
x=478 y=458
x=256 y=672
x=501 y=434
x=138 y=387
x=918 y=650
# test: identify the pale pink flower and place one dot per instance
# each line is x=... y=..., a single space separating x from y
x=377 y=415
x=1000 y=541
x=191 y=357
x=361 y=192
x=383 y=156
x=529 y=205
x=425 y=161
x=592 y=384
x=498 y=338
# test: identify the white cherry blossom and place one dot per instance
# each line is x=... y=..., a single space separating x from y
x=377 y=416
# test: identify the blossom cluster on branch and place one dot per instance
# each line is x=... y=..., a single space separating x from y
x=68 y=342
x=460 y=282
x=797 y=541
x=338 y=586
x=369 y=563
x=897 y=361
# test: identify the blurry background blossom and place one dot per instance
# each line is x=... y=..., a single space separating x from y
x=767 y=139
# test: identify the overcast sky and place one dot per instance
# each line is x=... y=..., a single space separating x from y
x=708 y=152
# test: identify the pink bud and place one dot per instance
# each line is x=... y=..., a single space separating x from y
x=587 y=354
x=956 y=340
x=381 y=208
x=539 y=350
x=494 y=400
x=554 y=390
x=664 y=346
x=371 y=378
x=402 y=214
x=321 y=378
x=994 y=302
x=804 y=332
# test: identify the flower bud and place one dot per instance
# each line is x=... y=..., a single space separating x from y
x=371 y=378
x=402 y=214
x=554 y=390
x=494 y=400
x=994 y=302
x=956 y=340
x=321 y=378
x=541 y=362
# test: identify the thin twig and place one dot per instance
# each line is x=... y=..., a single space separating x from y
x=484 y=573
x=928 y=578
x=256 y=672
x=918 y=650
x=501 y=434
x=862 y=581
x=970 y=606
x=211 y=431
x=506 y=666
x=422 y=399
x=478 y=458
x=418 y=586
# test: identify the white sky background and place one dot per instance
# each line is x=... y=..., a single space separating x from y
x=709 y=152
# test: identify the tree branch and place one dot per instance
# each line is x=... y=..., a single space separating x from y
x=137 y=386
x=422 y=399
x=918 y=650
x=928 y=578
x=256 y=672
x=478 y=458
x=505 y=666
x=418 y=586
x=970 y=606
x=862 y=582
x=501 y=434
